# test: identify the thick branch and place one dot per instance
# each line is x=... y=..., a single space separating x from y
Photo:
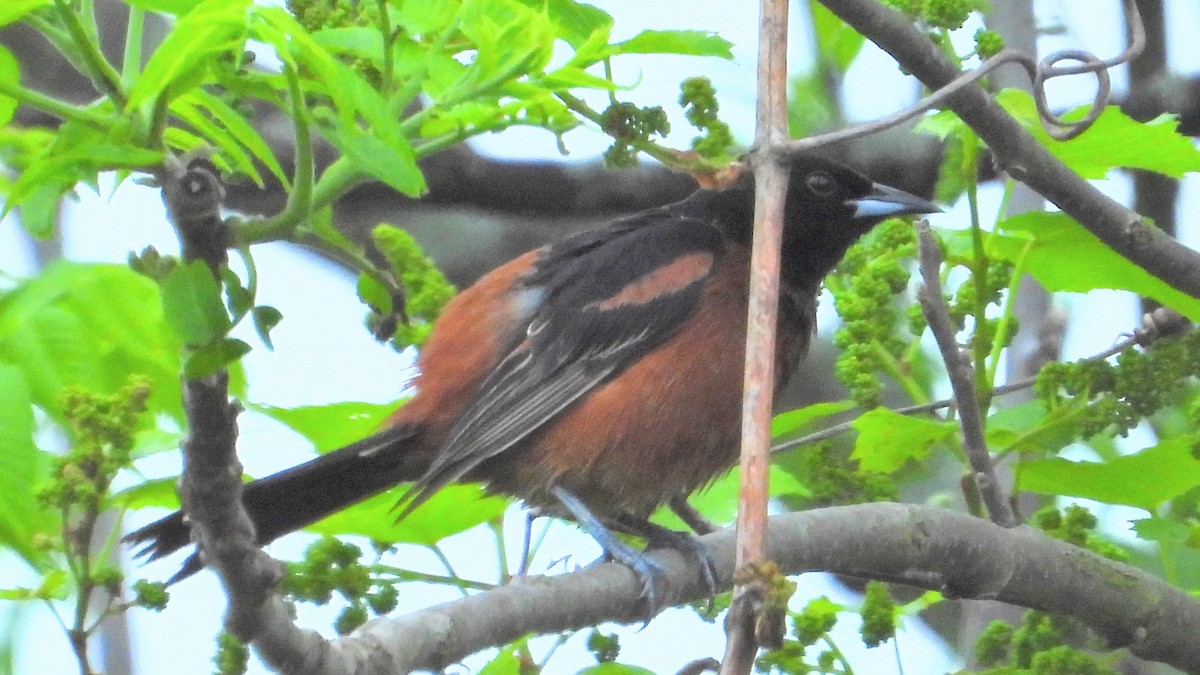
x=931 y=548
x=1018 y=153
x=211 y=485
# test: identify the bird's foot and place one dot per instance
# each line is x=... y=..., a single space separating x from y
x=691 y=548
x=651 y=574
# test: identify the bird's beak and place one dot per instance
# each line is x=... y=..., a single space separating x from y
x=887 y=202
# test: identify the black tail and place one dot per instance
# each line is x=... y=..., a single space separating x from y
x=302 y=495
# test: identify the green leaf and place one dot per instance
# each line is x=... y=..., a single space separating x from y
x=887 y=440
x=374 y=294
x=266 y=318
x=685 y=42
x=211 y=28
x=238 y=298
x=810 y=109
x=797 y=420
x=569 y=77
x=90 y=326
x=424 y=17
x=175 y=7
x=192 y=304
x=9 y=72
x=718 y=502
x=1066 y=257
x=14 y=10
x=1030 y=428
x=213 y=357
x=1163 y=530
x=453 y=509
x=574 y=22
x=235 y=123
x=837 y=43
x=359 y=42
x=229 y=131
x=77 y=154
x=382 y=150
x=332 y=426
x=393 y=162
x=22 y=466
x=1145 y=479
x=510 y=41
x=39 y=209
x=158 y=493
x=614 y=668
x=1114 y=140
x=51 y=588
x=507 y=662
x=155 y=440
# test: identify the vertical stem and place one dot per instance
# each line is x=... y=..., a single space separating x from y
x=771 y=177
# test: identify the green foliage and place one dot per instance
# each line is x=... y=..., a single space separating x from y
x=718 y=501
x=988 y=43
x=1114 y=141
x=1041 y=645
x=614 y=669
x=102 y=427
x=1063 y=256
x=331 y=426
x=1120 y=395
x=864 y=287
x=1146 y=479
x=331 y=566
x=606 y=648
x=631 y=126
x=699 y=101
x=1076 y=525
x=887 y=440
x=102 y=430
x=150 y=595
x=813 y=623
x=911 y=8
x=837 y=43
x=947 y=14
x=425 y=289
x=232 y=657
x=835 y=479
x=878 y=615
x=992 y=645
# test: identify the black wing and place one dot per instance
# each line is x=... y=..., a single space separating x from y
x=606 y=298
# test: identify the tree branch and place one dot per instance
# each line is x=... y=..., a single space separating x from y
x=1018 y=153
x=211 y=485
x=962 y=379
x=961 y=556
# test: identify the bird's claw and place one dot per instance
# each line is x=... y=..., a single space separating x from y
x=654 y=581
x=691 y=548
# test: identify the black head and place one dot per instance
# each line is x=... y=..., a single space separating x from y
x=829 y=206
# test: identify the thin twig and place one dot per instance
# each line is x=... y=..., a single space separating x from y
x=1163 y=322
x=771 y=184
x=1039 y=73
x=962 y=379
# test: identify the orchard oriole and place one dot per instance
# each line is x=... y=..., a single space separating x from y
x=597 y=378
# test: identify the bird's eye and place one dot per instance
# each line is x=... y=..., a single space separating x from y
x=821 y=183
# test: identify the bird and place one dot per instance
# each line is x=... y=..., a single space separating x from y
x=596 y=378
